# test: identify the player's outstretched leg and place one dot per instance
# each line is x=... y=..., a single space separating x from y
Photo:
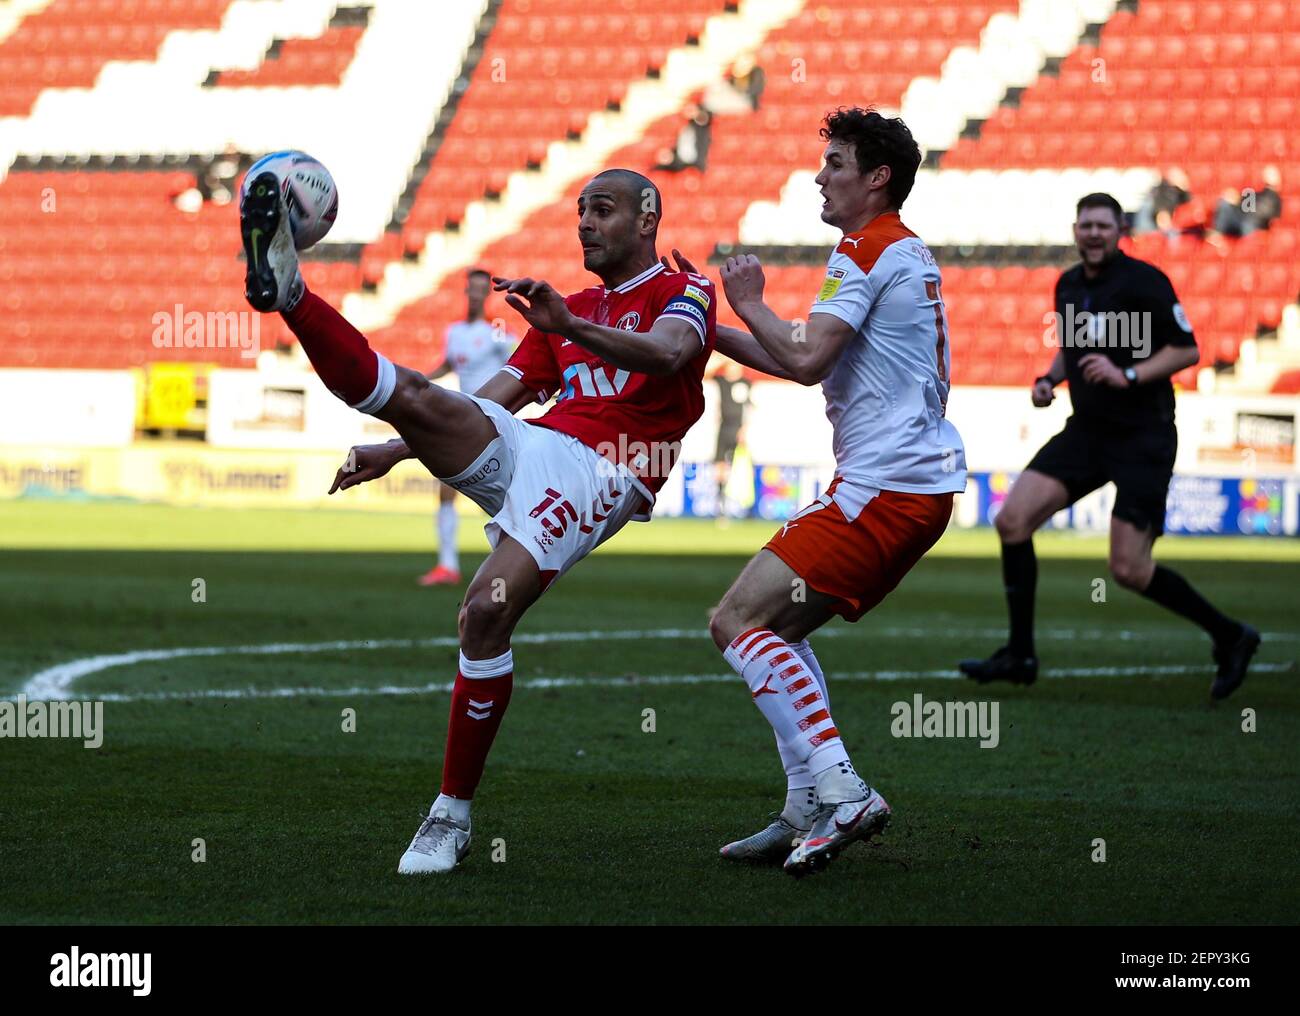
x=1134 y=568
x=1034 y=498
x=506 y=585
x=445 y=429
x=756 y=627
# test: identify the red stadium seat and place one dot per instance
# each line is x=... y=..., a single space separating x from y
x=1201 y=85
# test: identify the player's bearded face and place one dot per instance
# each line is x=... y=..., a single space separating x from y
x=1096 y=234
x=607 y=230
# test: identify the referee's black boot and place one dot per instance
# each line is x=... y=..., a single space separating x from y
x=1004 y=665
x=1233 y=658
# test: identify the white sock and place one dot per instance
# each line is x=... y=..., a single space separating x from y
x=456 y=808
x=839 y=783
x=787 y=693
x=800 y=804
x=447 y=526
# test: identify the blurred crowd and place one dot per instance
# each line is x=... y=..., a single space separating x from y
x=1173 y=209
x=741 y=92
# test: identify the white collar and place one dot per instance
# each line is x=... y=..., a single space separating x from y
x=632 y=283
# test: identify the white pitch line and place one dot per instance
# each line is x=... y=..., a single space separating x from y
x=534 y=683
x=55 y=683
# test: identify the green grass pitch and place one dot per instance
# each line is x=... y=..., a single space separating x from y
x=583 y=816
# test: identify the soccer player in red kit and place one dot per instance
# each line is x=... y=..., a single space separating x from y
x=625 y=362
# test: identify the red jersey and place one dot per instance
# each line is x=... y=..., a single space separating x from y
x=636 y=420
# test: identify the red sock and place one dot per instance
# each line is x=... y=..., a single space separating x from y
x=478 y=703
x=341 y=355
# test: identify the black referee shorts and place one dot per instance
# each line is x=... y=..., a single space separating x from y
x=1139 y=462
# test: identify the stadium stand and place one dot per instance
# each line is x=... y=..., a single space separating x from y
x=1211 y=88
x=101 y=214
x=301 y=62
x=68 y=43
x=545 y=69
x=1110 y=103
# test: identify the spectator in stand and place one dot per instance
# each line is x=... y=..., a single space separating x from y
x=739 y=92
x=1156 y=213
x=215 y=182
x=1261 y=207
x=749 y=79
x=1194 y=217
x=692 y=149
x=1229 y=219
x=218 y=181
x=1240 y=213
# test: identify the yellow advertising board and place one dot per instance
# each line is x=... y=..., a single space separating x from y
x=171 y=399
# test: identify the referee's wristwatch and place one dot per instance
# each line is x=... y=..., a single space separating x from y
x=1131 y=376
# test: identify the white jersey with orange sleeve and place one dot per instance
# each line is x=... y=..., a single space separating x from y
x=887 y=394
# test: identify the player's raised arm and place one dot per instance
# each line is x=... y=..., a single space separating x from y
x=671 y=341
x=807 y=352
x=739 y=345
x=505 y=388
x=744 y=349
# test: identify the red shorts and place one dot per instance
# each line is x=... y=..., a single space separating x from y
x=859 y=562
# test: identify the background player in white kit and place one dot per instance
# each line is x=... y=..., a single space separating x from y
x=475 y=350
x=876 y=341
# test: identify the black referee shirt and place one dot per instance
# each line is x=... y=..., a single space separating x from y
x=1128 y=312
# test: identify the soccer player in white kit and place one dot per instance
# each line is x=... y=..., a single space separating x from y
x=475 y=351
x=876 y=339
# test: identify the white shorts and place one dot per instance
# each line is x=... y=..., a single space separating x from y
x=548 y=491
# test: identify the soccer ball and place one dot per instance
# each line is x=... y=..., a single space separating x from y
x=309 y=193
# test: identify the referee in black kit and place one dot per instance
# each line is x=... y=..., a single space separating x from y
x=1121 y=335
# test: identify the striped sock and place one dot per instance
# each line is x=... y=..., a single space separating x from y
x=788 y=694
x=478 y=702
x=797 y=775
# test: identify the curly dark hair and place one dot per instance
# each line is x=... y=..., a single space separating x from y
x=878 y=141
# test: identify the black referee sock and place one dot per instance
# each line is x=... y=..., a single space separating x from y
x=1020 y=580
x=1173 y=592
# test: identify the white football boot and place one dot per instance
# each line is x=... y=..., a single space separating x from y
x=272 y=281
x=771 y=844
x=835 y=826
x=438 y=846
